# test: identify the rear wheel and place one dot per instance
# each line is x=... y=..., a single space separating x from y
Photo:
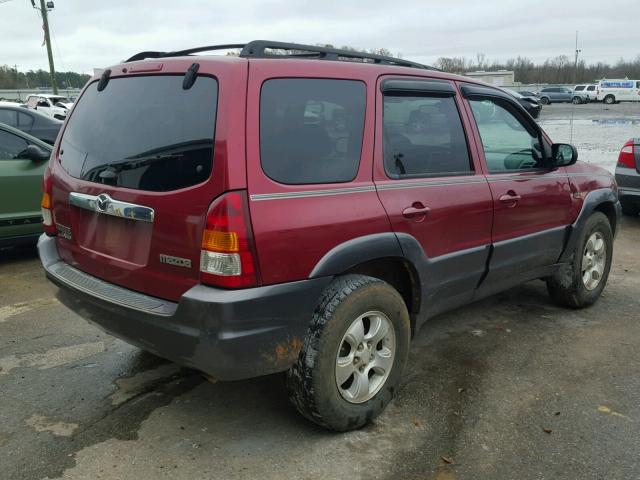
x=609 y=99
x=544 y=100
x=580 y=284
x=352 y=359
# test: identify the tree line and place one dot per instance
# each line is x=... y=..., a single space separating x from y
x=560 y=69
x=11 y=78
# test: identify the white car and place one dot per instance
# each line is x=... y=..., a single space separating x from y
x=614 y=91
x=54 y=106
x=591 y=91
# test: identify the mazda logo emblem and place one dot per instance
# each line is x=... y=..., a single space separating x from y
x=103 y=201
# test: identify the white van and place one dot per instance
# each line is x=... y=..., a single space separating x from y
x=613 y=91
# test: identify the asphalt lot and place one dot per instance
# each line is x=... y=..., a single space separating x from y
x=484 y=383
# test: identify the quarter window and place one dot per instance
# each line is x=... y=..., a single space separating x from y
x=26 y=121
x=311 y=130
x=423 y=136
x=508 y=144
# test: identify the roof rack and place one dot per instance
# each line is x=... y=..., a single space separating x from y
x=268 y=49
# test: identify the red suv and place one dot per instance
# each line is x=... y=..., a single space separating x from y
x=305 y=210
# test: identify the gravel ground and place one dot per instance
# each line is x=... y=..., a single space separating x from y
x=511 y=387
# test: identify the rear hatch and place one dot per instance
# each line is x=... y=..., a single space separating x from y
x=133 y=181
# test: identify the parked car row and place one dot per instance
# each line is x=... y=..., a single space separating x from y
x=33 y=122
x=606 y=91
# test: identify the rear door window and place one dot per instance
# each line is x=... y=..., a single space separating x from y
x=143 y=132
x=423 y=136
x=311 y=129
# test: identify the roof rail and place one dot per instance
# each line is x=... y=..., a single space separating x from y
x=265 y=48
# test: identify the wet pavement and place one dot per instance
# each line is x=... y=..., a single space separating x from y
x=597 y=130
x=511 y=387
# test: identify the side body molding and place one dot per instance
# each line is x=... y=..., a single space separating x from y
x=592 y=200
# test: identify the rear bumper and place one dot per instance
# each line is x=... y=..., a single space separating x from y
x=228 y=334
x=628 y=180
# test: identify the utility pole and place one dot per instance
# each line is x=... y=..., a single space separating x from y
x=47 y=39
x=575 y=65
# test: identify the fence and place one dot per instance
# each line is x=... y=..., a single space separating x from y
x=22 y=94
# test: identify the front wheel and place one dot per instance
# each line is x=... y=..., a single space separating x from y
x=577 y=100
x=609 y=99
x=580 y=283
x=352 y=358
x=545 y=101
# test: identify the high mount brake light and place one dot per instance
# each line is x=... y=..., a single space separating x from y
x=228 y=258
x=627 y=155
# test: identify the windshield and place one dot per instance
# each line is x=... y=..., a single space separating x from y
x=143 y=132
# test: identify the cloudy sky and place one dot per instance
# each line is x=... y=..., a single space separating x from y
x=89 y=34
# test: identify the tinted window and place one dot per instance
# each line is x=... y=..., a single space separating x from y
x=591 y=88
x=311 y=129
x=9 y=117
x=11 y=145
x=579 y=88
x=423 y=136
x=25 y=120
x=146 y=132
x=508 y=144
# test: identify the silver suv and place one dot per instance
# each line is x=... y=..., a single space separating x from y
x=561 y=95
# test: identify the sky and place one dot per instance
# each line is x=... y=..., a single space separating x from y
x=89 y=33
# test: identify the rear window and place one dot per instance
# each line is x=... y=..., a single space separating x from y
x=143 y=132
x=311 y=129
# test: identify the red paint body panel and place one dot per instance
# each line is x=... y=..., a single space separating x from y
x=293 y=234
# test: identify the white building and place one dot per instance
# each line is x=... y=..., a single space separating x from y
x=499 y=78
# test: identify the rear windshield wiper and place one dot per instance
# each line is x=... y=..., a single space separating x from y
x=111 y=170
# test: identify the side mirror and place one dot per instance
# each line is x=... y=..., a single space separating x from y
x=34 y=153
x=563 y=154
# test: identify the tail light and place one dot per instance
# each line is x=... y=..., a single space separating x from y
x=626 y=157
x=46 y=205
x=228 y=257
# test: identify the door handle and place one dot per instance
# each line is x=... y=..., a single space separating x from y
x=417 y=209
x=510 y=197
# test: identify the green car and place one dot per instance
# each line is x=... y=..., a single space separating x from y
x=23 y=159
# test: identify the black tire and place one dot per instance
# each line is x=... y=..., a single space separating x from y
x=567 y=287
x=311 y=381
x=630 y=208
x=577 y=101
x=609 y=100
x=545 y=100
